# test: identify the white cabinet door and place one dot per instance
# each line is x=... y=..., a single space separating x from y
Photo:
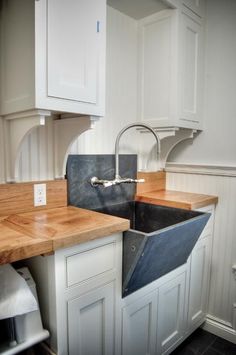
x=54 y=56
x=70 y=66
x=73 y=49
x=139 y=326
x=91 y=322
x=170 y=326
x=158 y=67
x=191 y=70
x=199 y=280
x=171 y=69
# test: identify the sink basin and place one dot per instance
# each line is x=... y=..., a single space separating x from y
x=160 y=239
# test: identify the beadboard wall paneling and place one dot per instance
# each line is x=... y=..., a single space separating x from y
x=36 y=154
x=222 y=295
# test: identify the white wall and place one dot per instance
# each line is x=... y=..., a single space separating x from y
x=217 y=144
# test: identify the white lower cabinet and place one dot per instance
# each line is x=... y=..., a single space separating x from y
x=79 y=289
x=91 y=322
x=171 y=321
x=139 y=322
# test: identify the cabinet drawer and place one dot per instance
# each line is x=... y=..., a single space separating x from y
x=90 y=263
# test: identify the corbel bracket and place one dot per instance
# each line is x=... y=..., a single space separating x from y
x=16 y=128
x=170 y=137
x=67 y=129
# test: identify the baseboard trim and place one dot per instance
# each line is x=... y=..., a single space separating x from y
x=202 y=169
x=220 y=329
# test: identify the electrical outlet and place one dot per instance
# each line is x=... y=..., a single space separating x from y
x=40 y=198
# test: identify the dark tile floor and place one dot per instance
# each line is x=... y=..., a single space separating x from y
x=199 y=343
x=204 y=343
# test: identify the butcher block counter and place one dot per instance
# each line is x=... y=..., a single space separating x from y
x=154 y=191
x=177 y=199
x=27 y=231
x=39 y=232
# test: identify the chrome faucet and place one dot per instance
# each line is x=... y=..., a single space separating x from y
x=118 y=179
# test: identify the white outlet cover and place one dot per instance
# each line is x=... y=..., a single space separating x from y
x=40 y=198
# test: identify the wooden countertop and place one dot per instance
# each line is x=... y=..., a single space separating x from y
x=178 y=199
x=33 y=233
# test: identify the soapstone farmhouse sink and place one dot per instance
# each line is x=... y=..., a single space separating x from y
x=160 y=239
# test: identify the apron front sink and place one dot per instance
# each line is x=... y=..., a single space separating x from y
x=160 y=240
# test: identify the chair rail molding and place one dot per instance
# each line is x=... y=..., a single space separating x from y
x=201 y=169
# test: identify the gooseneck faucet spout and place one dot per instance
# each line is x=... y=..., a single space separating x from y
x=117 y=144
x=118 y=179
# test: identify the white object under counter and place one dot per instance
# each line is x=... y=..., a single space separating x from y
x=28 y=327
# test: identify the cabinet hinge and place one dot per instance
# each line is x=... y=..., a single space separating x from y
x=98 y=26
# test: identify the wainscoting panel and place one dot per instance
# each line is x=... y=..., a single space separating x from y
x=222 y=297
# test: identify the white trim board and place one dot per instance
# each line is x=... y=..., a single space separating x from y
x=217 y=327
x=202 y=169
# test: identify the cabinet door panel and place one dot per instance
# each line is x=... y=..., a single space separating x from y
x=91 y=322
x=196 y=6
x=199 y=277
x=72 y=49
x=157 y=67
x=170 y=325
x=191 y=102
x=139 y=326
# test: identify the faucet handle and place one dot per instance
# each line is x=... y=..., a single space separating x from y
x=139 y=180
x=121 y=180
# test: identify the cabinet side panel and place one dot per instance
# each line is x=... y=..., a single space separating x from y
x=43 y=272
x=17 y=51
x=198 y=281
x=191 y=69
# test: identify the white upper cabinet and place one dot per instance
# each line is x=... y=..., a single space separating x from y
x=171 y=69
x=191 y=70
x=53 y=58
